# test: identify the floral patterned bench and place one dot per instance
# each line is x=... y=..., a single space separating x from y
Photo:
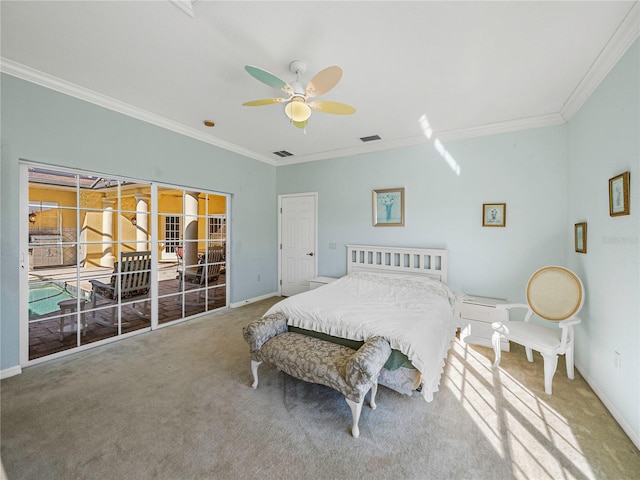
x=351 y=372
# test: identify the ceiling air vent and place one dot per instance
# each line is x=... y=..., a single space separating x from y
x=370 y=138
x=283 y=154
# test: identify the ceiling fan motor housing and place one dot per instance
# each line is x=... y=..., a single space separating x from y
x=298 y=67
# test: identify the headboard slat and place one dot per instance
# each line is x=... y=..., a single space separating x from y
x=417 y=261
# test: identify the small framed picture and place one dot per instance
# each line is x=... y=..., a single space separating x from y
x=494 y=214
x=619 y=195
x=388 y=207
x=580 y=237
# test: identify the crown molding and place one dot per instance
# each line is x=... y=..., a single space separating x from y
x=622 y=39
x=626 y=34
x=32 y=75
x=548 y=120
x=540 y=121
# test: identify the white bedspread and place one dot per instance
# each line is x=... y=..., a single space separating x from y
x=414 y=313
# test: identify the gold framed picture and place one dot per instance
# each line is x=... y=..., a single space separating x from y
x=619 y=195
x=580 y=237
x=388 y=207
x=494 y=214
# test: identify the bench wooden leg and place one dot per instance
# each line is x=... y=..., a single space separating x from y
x=374 y=390
x=356 y=408
x=254 y=371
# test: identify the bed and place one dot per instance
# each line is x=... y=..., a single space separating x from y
x=397 y=293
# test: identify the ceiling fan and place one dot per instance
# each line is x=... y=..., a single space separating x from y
x=298 y=107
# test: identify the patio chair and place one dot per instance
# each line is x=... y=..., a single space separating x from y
x=134 y=271
x=207 y=272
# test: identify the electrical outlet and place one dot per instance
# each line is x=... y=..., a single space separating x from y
x=617 y=360
x=332 y=246
x=258 y=277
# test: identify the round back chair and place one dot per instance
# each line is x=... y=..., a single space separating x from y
x=555 y=294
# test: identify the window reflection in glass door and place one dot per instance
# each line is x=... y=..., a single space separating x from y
x=90 y=247
x=199 y=258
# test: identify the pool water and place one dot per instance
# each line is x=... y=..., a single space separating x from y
x=44 y=299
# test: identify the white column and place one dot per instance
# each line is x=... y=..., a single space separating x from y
x=108 y=258
x=190 y=232
x=142 y=222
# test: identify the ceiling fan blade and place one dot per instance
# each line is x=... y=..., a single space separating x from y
x=336 y=108
x=323 y=81
x=269 y=79
x=264 y=101
x=300 y=124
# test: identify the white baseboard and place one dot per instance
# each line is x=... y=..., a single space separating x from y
x=633 y=436
x=253 y=300
x=10 y=372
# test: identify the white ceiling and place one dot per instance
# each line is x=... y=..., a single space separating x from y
x=414 y=69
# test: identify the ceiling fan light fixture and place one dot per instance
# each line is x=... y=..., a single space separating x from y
x=297 y=110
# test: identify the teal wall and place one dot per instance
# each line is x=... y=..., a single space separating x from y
x=526 y=170
x=604 y=141
x=44 y=126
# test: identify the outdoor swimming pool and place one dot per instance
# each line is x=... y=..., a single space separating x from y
x=44 y=299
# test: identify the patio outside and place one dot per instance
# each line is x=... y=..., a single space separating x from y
x=90 y=239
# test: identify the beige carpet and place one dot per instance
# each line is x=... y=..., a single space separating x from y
x=177 y=404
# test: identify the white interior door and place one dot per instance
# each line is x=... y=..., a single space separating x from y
x=298 y=260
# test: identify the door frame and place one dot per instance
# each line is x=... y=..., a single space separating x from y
x=315 y=240
x=23 y=276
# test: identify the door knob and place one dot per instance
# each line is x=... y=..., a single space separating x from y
x=310 y=254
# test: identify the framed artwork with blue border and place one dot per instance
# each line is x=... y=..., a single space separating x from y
x=388 y=207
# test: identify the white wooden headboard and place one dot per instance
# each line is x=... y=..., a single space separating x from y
x=416 y=261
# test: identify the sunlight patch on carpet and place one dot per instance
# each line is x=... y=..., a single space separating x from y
x=520 y=426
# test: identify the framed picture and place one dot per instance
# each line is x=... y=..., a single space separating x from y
x=619 y=195
x=388 y=207
x=494 y=214
x=580 y=237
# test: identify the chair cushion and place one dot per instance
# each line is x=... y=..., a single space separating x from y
x=530 y=334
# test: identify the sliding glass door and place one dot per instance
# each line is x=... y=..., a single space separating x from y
x=193 y=244
x=111 y=256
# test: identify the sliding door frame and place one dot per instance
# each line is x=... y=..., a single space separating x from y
x=153 y=242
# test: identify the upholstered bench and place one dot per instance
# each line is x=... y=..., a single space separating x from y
x=351 y=372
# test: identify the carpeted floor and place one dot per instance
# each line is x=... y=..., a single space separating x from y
x=177 y=404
